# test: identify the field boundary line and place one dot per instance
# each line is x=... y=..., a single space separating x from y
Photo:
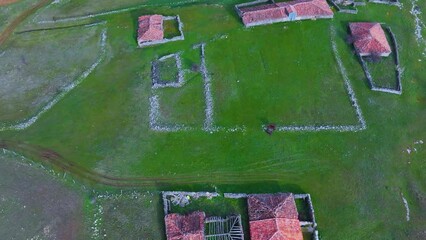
x=352 y=97
x=208 y=123
x=154 y=115
x=104 y=13
x=154 y=101
x=5 y=34
x=419 y=25
x=62 y=27
x=398 y=69
x=407 y=208
x=30 y=121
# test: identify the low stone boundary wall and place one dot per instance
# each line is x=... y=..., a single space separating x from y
x=419 y=25
x=21 y=125
x=155 y=74
x=235 y=195
x=312 y=226
x=362 y=125
x=248 y=4
x=398 y=69
x=356 y=4
x=387 y=2
x=349 y=11
x=167 y=202
x=307 y=198
x=154 y=100
x=173 y=194
x=166 y=40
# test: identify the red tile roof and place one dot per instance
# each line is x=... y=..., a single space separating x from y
x=262 y=13
x=185 y=227
x=273 y=217
x=303 y=9
x=311 y=8
x=150 y=28
x=369 y=39
x=276 y=229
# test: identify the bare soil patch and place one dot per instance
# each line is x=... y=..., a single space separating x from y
x=6 y=2
x=34 y=204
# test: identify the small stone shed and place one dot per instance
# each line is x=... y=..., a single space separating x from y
x=369 y=39
x=185 y=227
x=273 y=217
x=150 y=28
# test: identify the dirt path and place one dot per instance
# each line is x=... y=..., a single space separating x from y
x=47 y=156
x=6 y=2
x=18 y=20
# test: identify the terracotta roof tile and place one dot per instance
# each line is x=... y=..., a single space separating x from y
x=273 y=217
x=369 y=39
x=150 y=28
x=281 y=11
x=185 y=227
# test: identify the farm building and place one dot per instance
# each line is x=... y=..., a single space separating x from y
x=185 y=227
x=369 y=39
x=273 y=217
x=150 y=29
x=284 y=11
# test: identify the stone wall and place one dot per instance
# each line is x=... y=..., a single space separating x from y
x=166 y=40
x=398 y=69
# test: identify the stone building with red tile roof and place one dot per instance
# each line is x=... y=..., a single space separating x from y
x=150 y=29
x=185 y=227
x=273 y=217
x=284 y=11
x=369 y=39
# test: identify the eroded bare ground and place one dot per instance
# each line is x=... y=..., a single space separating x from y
x=36 y=205
x=14 y=24
x=6 y=2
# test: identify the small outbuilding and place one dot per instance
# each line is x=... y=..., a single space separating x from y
x=150 y=29
x=273 y=217
x=369 y=39
x=284 y=11
x=185 y=227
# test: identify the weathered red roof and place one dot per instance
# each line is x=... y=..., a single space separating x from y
x=369 y=39
x=262 y=13
x=150 y=28
x=185 y=227
x=276 y=11
x=311 y=8
x=273 y=217
x=276 y=229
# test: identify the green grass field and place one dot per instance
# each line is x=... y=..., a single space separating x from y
x=130 y=215
x=283 y=73
x=37 y=66
x=383 y=71
x=288 y=83
x=10 y=11
x=37 y=205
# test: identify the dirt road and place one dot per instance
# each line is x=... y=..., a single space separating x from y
x=18 y=20
x=6 y=2
x=50 y=157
